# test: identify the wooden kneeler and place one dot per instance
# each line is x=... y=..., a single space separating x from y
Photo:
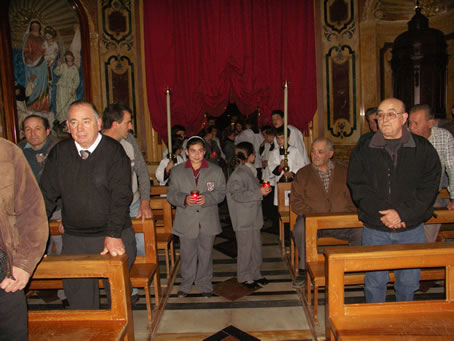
x=113 y=324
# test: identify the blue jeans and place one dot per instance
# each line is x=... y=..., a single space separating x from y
x=407 y=280
x=140 y=242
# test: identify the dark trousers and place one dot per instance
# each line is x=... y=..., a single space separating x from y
x=13 y=315
x=84 y=293
x=270 y=211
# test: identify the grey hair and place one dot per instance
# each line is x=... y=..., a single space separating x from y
x=82 y=102
x=427 y=111
x=328 y=142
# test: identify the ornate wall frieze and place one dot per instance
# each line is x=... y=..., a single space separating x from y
x=338 y=15
x=340 y=46
x=332 y=35
x=340 y=64
x=116 y=21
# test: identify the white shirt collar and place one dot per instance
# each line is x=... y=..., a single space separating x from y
x=92 y=148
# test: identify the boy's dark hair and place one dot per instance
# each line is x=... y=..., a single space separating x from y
x=113 y=113
x=195 y=140
x=228 y=132
x=209 y=129
x=280 y=131
x=277 y=112
x=269 y=130
x=242 y=152
x=176 y=144
x=202 y=133
x=176 y=128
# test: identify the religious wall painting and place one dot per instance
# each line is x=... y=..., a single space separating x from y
x=341 y=90
x=46 y=48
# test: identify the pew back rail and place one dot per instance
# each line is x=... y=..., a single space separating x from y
x=113 y=324
x=144 y=270
x=315 y=260
x=390 y=320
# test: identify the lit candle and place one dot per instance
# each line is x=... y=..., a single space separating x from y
x=285 y=114
x=169 y=126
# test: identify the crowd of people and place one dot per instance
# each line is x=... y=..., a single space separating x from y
x=95 y=181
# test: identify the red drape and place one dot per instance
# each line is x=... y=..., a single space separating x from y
x=212 y=52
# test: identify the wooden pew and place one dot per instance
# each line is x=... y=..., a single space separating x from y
x=283 y=210
x=158 y=190
x=445 y=235
x=113 y=324
x=315 y=261
x=322 y=241
x=444 y=194
x=416 y=320
x=162 y=210
x=144 y=270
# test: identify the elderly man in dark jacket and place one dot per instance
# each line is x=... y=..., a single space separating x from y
x=393 y=177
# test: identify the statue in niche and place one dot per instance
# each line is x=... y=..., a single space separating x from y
x=39 y=38
x=36 y=72
x=67 y=85
x=51 y=49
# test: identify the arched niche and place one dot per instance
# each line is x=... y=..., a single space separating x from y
x=419 y=63
x=48 y=12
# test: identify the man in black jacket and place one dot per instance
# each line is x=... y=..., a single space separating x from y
x=393 y=178
x=92 y=175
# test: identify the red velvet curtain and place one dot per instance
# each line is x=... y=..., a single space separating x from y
x=212 y=52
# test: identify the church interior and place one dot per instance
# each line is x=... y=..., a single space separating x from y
x=190 y=61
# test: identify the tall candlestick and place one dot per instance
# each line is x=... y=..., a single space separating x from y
x=169 y=125
x=286 y=167
x=285 y=115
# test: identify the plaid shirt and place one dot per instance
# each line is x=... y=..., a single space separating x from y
x=325 y=177
x=443 y=142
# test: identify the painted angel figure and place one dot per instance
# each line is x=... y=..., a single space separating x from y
x=66 y=85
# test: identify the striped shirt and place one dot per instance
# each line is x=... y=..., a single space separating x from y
x=443 y=142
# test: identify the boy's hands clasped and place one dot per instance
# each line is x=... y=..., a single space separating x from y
x=192 y=200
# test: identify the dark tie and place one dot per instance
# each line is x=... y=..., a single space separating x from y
x=84 y=154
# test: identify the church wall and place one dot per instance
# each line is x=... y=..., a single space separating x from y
x=355 y=42
x=353 y=71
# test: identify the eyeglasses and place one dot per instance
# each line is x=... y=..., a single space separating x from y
x=391 y=115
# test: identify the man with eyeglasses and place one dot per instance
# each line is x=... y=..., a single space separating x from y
x=393 y=178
